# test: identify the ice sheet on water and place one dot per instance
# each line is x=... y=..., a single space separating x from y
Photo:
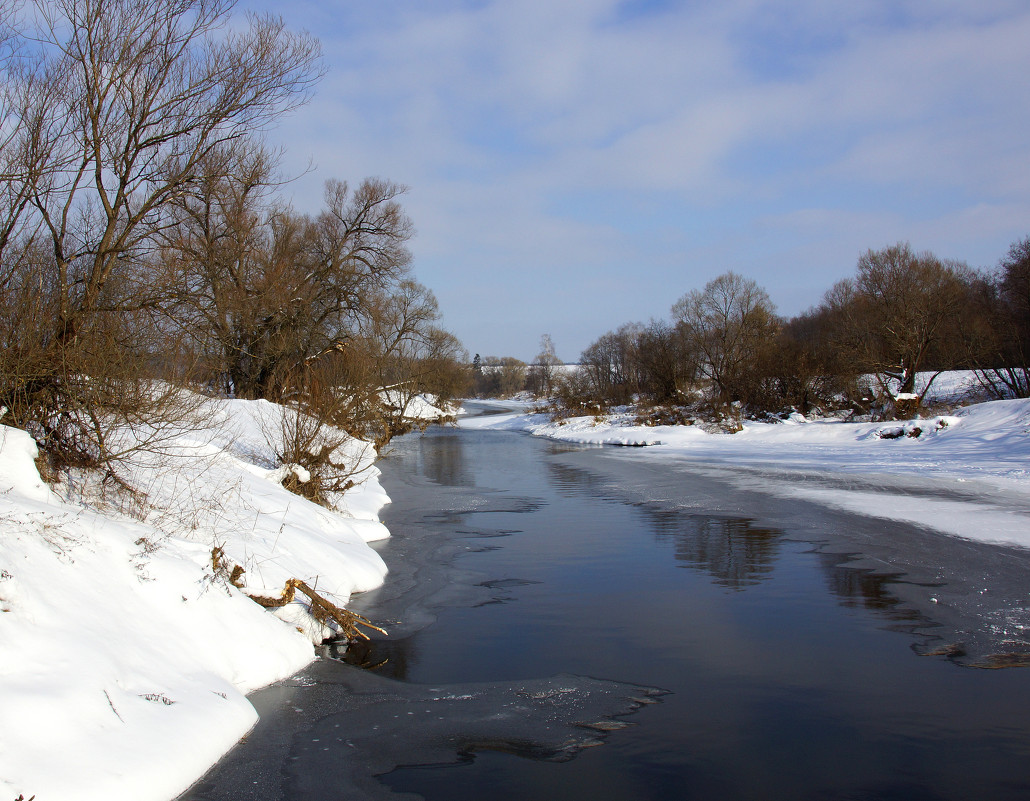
x=331 y=738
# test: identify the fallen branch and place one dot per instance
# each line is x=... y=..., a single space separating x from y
x=221 y=567
x=321 y=609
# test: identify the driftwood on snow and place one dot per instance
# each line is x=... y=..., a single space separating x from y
x=321 y=609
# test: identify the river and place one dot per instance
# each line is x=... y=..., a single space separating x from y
x=584 y=623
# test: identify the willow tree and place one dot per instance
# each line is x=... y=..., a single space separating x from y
x=118 y=102
x=894 y=315
x=728 y=325
x=148 y=88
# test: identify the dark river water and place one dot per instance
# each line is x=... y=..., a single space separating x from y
x=584 y=623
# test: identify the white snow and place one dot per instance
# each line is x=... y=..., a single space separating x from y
x=125 y=660
x=420 y=408
x=951 y=386
x=966 y=474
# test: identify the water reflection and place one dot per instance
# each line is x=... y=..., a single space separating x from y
x=394 y=659
x=571 y=481
x=858 y=588
x=735 y=552
x=441 y=459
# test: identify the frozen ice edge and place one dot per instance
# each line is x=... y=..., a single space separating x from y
x=983 y=447
x=366 y=725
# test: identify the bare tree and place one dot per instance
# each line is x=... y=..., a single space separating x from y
x=318 y=311
x=443 y=370
x=266 y=289
x=803 y=369
x=666 y=365
x=1003 y=353
x=511 y=375
x=727 y=324
x=147 y=89
x=115 y=105
x=398 y=335
x=501 y=377
x=610 y=364
x=399 y=324
x=541 y=375
x=219 y=264
x=894 y=313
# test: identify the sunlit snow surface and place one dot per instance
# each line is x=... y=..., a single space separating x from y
x=966 y=474
x=125 y=661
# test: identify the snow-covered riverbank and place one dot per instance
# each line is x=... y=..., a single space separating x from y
x=966 y=474
x=124 y=656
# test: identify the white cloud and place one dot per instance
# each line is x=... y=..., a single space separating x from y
x=883 y=120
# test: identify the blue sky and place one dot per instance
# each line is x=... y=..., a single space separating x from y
x=578 y=164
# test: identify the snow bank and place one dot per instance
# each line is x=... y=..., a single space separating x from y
x=125 y=658
x=951 y=386
x=419 y=408
x=966 y=474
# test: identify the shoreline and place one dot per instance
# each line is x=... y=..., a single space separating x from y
x=158 y=647
x=967 y=474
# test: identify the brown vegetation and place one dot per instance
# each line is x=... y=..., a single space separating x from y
x=727 y=354
x=144 y=246
x=324 y=611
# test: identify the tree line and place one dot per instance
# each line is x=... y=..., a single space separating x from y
x=903 y=313
x=145 y=244
x=502 y=377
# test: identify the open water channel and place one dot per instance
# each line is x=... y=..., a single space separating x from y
x=586 y=623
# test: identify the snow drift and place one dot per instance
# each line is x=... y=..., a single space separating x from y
x=126 y=656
